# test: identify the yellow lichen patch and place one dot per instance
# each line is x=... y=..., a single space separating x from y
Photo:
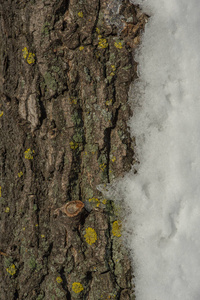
x=113 y=159
x=94 y=200
x=109 y=102
x=11 y=270
x=7 y=209
x=31 y=58
x=109 y=297
x=80 y=14
x=113 y=70
x=1 y=113
x=28 y=154
x=116 y=228
x=77 y=287
x=103 y=167
x=97 y=54
x=42 y=236
x=97 y=30
x=59 y=279
x=25 y=52
x=102 y=43
x=74 y=101
x=81 y=48
x=36 y=225
x=104 y=201
x=20 y=174
x=90 y=236
x=118 y=45
x=73 y=145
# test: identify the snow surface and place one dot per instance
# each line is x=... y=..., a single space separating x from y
x=165 y=193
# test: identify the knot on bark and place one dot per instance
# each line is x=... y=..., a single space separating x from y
x=72 y=213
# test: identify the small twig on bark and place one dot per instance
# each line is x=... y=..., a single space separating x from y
x=2 y=253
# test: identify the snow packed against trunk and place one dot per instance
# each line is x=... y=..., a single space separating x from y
x=164 y=195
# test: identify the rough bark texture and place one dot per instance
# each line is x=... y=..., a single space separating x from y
x=65 y=71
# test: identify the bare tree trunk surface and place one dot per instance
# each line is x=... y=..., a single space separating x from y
x=65 y=71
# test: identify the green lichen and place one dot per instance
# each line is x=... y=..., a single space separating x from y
x=32 y=263
x=8 y=261
x=50 y=81
x=91 y=148
x=60 y=293
x=76 y=118
x=40 y=297
x=112 y=57
x=22 y=83
x=55 y=69
x=107 y=115
x=46 y=29
x=88 y=189
x=78 y=136
x=87 y=73
x=127 y=67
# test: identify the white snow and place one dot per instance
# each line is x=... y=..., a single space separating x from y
x=164 y=195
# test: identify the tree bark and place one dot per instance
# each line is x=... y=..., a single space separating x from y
x=65 y=71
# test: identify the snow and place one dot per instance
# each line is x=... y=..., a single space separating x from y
x=164 y=195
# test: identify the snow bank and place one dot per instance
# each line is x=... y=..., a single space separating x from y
x=165 y=194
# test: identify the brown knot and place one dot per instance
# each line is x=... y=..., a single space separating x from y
x=72 y=213
x=73 y=208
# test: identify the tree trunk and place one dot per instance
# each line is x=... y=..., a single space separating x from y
x=65 y=71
